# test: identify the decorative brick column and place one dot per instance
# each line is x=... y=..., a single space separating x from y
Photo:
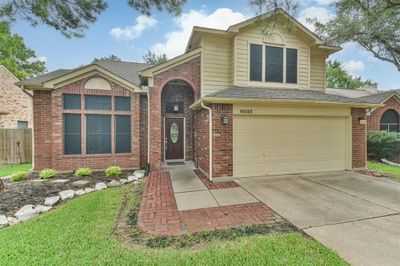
x=359 y=137
x=222 y=140
x=42 y=131
x=190 y=73
x=143 y=130
x=201 y=143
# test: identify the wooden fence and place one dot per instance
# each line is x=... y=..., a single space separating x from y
x=15 y=146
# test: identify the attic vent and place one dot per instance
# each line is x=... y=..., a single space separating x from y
x=274 y=38
x=97 y=84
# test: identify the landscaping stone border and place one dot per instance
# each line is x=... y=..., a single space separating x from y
x=30 y=211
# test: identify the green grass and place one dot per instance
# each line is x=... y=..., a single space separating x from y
x=10 y=169
x=80 y=233
x=386 y=169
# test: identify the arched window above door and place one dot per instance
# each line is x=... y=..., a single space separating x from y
x=390 y=121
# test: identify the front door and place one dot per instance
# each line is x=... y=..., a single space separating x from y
x=174 y=139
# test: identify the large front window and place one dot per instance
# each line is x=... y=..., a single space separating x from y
x=390 y=121
x=106 y=121
x=273 y=64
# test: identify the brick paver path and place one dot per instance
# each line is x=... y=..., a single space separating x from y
x=216 y=185
x=159 y=215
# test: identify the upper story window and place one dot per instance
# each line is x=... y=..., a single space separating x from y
x=279 y=64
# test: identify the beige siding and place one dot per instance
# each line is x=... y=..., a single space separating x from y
x=291 y=40
x=216 y=64
x=317 y=75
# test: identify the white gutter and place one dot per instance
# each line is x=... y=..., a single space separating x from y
x=210 y=175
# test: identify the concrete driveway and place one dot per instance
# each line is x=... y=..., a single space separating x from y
x=354 y=214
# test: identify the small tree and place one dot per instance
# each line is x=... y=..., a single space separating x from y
x=338 y=77
x=154 y=59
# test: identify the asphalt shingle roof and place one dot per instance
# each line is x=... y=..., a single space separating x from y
x=288 y=94
x=379 y=97
x=126 y=70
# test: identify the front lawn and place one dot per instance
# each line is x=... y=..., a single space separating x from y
x=81 y=233
x=386 y=169
x=10 y=169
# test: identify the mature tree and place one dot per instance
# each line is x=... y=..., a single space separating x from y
x=374 y=24
x=338 y=77
x=73 y=17
x=16 y=57
x=154 y=59
x=111 y=57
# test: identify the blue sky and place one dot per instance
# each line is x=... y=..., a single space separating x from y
x=122 y=31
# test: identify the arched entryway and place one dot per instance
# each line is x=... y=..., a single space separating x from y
x=177 y=121
x=390 y=121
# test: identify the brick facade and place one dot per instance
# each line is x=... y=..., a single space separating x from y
x=14 y=101
x=202 y=154
x=49 y=134
x=190 y=73
x=359 y=138
x=374 y=118
x=143 y=130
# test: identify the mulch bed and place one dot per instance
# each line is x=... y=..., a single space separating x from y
x=33 y=190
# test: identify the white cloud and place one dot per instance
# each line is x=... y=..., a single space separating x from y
x=175 y=43
x=320 y=13
x=354 y=67
x=132 y=32
x=36 y=59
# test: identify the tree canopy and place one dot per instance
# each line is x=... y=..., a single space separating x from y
x=154 y=59
x=16 y=57
x=374 y=24
x=73 y=17
x=338 y=77
x=111 y=57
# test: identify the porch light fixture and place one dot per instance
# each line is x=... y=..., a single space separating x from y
x=225 y=120
x=176 y=108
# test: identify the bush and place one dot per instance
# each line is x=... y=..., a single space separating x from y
x=113 y=171
x=47 y=173
x=383 y=145
x=19 y=176
x=83 y=172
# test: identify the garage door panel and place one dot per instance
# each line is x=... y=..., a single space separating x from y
x=284 y=145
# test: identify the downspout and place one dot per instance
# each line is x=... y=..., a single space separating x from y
x=210 y=176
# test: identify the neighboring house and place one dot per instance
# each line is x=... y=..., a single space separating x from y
x=15 y=103
x=386 y=117
x=236 y=102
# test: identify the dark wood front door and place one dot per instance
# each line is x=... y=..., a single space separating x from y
x=174 y=139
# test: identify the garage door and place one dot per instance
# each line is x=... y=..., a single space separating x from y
x=266 y=145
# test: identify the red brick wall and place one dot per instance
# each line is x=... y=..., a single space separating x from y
x=374 y=118
x=222 y=140
x=48 y=123
x=359 y=135
x=42 y=129
x=202 y=154
x=143 y=130
x=189 y=72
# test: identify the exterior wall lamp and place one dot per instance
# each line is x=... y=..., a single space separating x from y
x=225 y=120
x=176 y=108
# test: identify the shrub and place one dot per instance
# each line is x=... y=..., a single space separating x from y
x=383 y=145
x=47 y=173
x=113 y=171
x=83 y=172
x=19 y=176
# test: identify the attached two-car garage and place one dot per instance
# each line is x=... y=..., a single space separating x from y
x=287 y=139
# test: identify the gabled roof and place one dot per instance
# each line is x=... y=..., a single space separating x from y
x=236 y=28
x=128 y=71
x=282 y=95
x=381 y=97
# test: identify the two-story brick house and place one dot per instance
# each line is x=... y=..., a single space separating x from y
x=238 y=103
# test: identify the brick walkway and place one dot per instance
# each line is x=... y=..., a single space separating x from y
x=216 y=185
x=159 y=215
